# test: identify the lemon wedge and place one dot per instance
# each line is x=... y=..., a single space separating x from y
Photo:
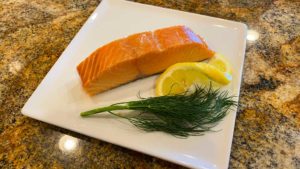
x=221 y=63
x=180 y=77
x=214 y=73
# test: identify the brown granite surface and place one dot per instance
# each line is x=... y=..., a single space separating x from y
x=33 y=34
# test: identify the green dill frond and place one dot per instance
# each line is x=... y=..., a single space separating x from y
x=182 y=115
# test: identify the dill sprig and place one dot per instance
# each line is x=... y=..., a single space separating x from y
x=182 y=115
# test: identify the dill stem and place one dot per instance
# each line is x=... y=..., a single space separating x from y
x=104 y=109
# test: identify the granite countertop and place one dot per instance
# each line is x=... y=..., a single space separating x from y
x=34 y=33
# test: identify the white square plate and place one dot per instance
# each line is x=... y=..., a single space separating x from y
x=60 y=98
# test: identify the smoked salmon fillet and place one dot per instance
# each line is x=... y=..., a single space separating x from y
x=140 y=55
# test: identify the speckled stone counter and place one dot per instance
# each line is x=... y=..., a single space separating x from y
x=34 y=33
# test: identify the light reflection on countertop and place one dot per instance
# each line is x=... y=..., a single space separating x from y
x=68 y=143
x=252 y=35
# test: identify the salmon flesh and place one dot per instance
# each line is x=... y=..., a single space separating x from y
x=140 y=55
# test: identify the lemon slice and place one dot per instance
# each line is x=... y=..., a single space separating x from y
x=221 y=63
x=180 y=77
